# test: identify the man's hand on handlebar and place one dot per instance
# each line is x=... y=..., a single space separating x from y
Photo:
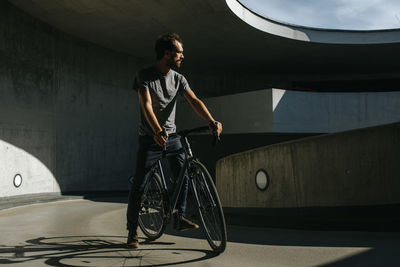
x=215 y=127
x=161 y=138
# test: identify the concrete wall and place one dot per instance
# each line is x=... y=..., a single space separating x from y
x=282 y=111
x=305 y=112
x=68 y=116
x=359 y=167
x=249 y=112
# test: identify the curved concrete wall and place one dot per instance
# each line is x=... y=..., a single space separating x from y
x=359 y=167
x=68 y=116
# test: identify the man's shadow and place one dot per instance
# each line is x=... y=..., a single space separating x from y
x=76 y=251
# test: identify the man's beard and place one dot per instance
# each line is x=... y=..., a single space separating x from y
x=174 y=65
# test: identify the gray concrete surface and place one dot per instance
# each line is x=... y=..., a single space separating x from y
x=16 y=201
x=284 y=111
x=223 y=54
x=68 y=116
x=358 y=167
x=249 y=112
x=92 y=233
x=67 y=110
x=313 y=112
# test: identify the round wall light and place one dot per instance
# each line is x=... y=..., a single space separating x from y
x=17 y=180
x=262 y=180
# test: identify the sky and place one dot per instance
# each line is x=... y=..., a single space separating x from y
x=331 y=14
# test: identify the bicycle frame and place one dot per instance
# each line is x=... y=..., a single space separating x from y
x=178 y=186
x=205 y=196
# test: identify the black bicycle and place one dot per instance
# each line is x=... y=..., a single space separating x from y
x=156 y=207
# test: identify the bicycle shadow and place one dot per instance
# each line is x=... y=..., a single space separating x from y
x=79 y=251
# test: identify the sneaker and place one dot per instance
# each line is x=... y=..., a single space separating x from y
x=133 y=240
x=184 y=224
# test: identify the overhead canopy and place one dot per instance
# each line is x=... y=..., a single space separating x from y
x=217 y=41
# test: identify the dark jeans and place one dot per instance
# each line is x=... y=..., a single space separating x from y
x=148 y=154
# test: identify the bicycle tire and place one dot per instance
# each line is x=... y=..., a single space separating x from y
x=152 y=211
x=210 y=209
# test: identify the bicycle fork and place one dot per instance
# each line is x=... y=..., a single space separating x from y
x=195 y=192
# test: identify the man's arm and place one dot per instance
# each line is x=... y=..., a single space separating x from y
x=147 y=108
x=201 y=110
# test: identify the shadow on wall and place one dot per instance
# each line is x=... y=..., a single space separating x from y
x=307 y=112
x=68 y=117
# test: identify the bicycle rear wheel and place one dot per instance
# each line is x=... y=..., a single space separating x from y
x=210 y=209
x=152 y=208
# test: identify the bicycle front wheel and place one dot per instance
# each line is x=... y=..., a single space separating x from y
x=152 y=208
x=210 y=209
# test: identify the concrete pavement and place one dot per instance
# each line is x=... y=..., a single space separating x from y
x=80 y=232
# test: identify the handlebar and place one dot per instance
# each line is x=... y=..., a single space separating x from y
x=185 y=133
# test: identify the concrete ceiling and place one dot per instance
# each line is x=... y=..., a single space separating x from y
x=216 y=40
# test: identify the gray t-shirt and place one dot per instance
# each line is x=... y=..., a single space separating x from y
x=164 y=92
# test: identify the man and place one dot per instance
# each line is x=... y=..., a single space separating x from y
x=158 y=87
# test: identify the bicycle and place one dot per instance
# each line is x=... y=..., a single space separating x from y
x=156 y=207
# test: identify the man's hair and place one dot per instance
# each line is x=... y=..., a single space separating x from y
x=166 y=42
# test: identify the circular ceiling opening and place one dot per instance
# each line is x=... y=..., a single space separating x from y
x=360 y=15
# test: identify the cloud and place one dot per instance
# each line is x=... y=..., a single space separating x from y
x=333 y=14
